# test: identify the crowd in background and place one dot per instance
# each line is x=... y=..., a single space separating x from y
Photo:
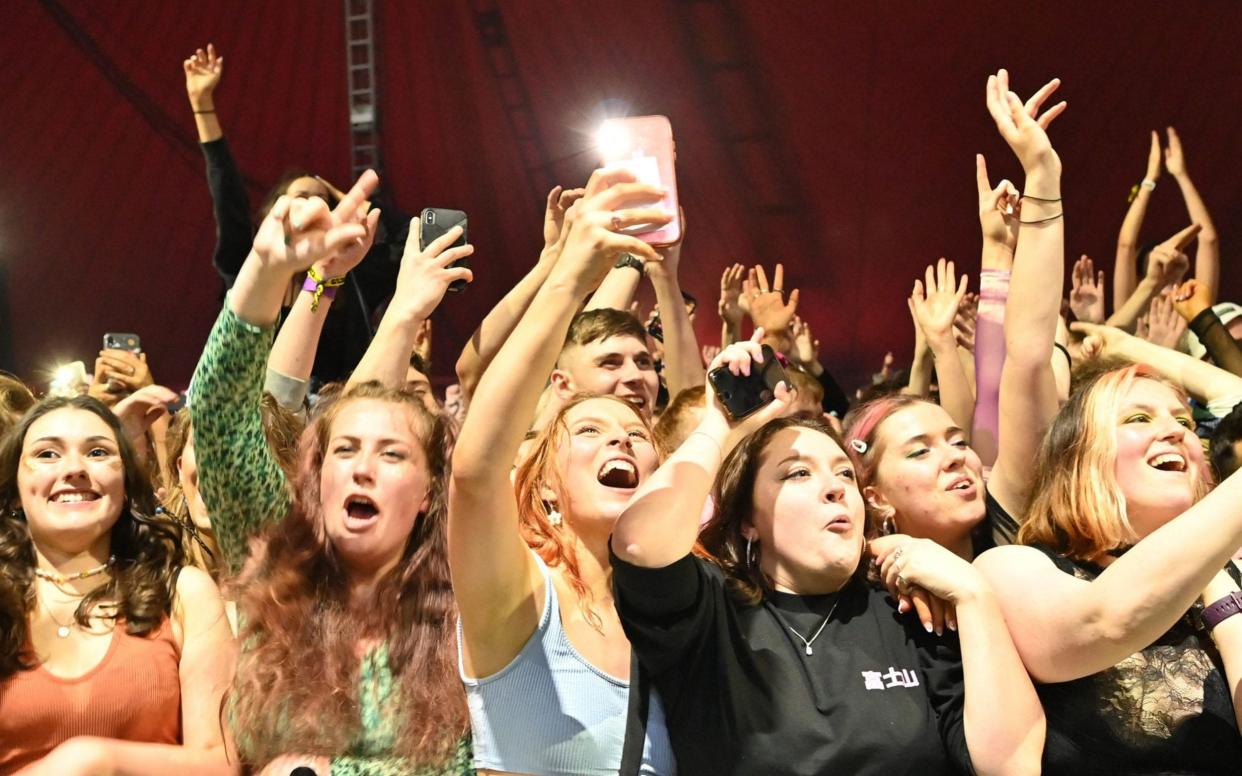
x=1012 y=556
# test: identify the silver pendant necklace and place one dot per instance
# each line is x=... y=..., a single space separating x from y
x=62 y=630
x=807 y=642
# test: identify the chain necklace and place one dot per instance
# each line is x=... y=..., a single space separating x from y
x=62 y=629
x=60 y=579
x=807 y=642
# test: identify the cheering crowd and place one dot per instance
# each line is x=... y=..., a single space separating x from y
x=1012 y=557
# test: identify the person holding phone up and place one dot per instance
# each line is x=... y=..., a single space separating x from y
x=770 y=649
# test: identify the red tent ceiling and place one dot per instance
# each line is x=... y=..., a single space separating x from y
x=837 y=138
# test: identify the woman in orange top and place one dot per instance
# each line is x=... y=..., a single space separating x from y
x=113 y=656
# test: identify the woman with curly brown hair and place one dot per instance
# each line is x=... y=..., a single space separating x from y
x=345 y=609
x=113 y=657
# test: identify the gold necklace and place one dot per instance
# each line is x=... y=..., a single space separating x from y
x=60 y=579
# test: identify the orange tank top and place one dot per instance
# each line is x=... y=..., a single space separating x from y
x=134 y=694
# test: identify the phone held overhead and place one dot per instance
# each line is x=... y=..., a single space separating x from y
x=644 y=146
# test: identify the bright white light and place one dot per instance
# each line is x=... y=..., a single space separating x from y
x=69 y=380
x=613 y=141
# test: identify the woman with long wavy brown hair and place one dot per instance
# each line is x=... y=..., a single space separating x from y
x=113 y=657
x=345 y=607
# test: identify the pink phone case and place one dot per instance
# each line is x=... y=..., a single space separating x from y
x=644 y=146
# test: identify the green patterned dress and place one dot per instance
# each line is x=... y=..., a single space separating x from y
x=245 y=489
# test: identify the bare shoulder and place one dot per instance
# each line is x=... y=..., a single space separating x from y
x=197 y=604
x=1013 y=561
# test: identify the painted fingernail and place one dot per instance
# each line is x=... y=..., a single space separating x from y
x=927 y=626
x=953 y=625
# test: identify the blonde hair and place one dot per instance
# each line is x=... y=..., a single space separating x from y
x=1077 y=507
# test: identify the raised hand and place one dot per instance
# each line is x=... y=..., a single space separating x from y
x=142 y=408
x=118 y=373
x=740 y=358
x=425 y=275
x=1174 y=160
x=768 y=306
x=1191 y=298
x=1099 y=340
x=709 y=353
x=729 y=307
x=202 y=76
x=296 y=233
x=1153 y=159
x=999 y=207
x=805 y=346
x=1164 y=326
x=1087 y=291
x=1021 y=124
x=560 y=200
x=935 y=309
x=1167 y=262
x=591 y=240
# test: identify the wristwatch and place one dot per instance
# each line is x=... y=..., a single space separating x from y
x=631 y=261
x=1218 y=611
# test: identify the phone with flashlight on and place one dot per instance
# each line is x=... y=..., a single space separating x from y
x=644 y=146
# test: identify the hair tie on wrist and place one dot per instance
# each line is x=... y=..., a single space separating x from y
x=1043 y=220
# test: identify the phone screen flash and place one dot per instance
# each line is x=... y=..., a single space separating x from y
x=613 y=140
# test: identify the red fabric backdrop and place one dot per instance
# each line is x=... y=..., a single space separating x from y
x=863 y=122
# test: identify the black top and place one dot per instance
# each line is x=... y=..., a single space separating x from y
x=347 y=330
x=1217 y=341
x=997 y=529
x=1164 y=710
x=878 y=695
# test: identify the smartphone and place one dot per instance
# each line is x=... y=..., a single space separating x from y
x=120 y=341
x=741 y=394
x=644 y=146
x=433 y=223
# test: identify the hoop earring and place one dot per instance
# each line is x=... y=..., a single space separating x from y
x=749 y=557
x=888 y=526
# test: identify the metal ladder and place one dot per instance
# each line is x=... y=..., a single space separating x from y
x=364 y=140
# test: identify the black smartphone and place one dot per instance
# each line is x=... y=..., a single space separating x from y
x=741 y=394
x=115 y=340
x=434 y=222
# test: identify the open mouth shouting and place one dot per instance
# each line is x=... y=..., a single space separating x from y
x=618 y=473
x=360 y=512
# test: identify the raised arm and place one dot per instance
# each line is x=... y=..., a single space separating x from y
x=421 y=284
x=202 y=76
x=1209 y=384
x=999 y=209
x=487 y=340
x=1166 y=264
x=934 y=310
x=227 y=391
x=683 y=368
x=1125 y=271
x=1028 y=391
x=1192 y=302
x=1207 y=254
x=730 y=305
x=494 y=574
x=618 y=288
x=661 y=523
x=293 y=356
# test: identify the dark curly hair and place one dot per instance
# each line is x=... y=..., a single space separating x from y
x=146 y=547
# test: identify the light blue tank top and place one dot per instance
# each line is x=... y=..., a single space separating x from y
x=552 y=713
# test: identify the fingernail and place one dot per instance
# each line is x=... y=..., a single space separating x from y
x=902 y=607
x=927 y=626
x=953 y=625
x=939 y=631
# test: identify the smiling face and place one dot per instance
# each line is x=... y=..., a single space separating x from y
x=808 y=516
x=602 y=455
x=373 y=483
x=1160 y=464
x=71 y=481
x=620 y=365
